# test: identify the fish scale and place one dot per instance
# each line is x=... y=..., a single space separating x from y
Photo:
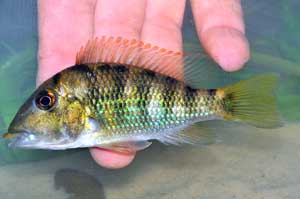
x=129 y=100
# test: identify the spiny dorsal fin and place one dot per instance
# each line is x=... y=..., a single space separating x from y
x=196 y=69
x=130 y=52
x=137 y=53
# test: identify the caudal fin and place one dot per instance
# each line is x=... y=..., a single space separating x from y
x=253 y=101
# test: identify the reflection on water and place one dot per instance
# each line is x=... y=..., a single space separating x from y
x=247 y=163
x=78 y=184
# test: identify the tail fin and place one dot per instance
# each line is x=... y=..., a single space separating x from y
x=253 y=101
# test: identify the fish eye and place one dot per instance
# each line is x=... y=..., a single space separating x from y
x=45 y=100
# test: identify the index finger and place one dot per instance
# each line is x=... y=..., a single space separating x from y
x=63 y=27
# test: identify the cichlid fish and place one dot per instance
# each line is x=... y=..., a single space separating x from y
x=113 y=99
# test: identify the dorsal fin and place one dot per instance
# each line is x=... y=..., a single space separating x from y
x=131 y=52
x=181 y=66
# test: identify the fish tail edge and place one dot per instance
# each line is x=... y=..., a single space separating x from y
x=253 y=101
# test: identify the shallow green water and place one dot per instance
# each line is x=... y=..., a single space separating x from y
x=248 y=163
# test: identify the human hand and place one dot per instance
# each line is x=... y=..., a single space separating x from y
x=65 y=25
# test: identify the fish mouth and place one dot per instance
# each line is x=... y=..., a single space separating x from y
x=21 y=139
x=28 y=140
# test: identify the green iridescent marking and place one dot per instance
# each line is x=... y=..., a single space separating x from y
x=133 y=99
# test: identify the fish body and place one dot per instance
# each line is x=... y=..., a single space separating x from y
x=122 y=106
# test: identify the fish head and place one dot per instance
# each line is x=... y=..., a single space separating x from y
x=51 y=118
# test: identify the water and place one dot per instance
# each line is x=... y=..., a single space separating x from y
x=248 y=163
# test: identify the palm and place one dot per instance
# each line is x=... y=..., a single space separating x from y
x=66 y=25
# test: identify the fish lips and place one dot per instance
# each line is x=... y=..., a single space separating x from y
x=23 y=139
x=29 y=140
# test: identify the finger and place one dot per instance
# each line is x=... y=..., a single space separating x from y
x=163 y=21
x=119 y=18
x=111 y=159
x=63 y=27
x=162 y=25
x=220 y=27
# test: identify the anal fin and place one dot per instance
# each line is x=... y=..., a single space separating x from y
x=198 y=134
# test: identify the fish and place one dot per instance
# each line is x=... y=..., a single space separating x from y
x=117 y=96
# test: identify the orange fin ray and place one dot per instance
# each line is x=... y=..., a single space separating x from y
x=132 y=52
x=196 y=69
